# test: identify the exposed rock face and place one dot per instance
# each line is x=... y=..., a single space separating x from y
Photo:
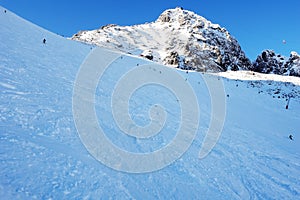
x=172 y=59
x=271 y=63
x=293 y=64
x=179 y=38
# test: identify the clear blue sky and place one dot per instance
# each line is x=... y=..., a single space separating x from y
x=256 y=24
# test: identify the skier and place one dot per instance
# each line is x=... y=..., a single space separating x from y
x=288 y=102
x=291 y=137
x=44 y=41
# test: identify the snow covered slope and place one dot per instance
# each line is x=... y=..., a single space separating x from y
x=178 y=37
x=42 y=156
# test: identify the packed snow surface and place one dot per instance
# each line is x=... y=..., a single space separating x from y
x=42 y=156
x=255 y=76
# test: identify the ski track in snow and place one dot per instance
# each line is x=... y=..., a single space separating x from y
x=42 y=156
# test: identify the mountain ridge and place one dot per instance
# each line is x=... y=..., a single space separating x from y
x=178 y=38
x=183 y=39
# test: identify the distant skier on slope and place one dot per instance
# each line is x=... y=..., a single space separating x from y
x=44 y=41
x=291 y=137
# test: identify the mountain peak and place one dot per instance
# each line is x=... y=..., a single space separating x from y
x=184 y=18
x=178 y=38
x=175 y=15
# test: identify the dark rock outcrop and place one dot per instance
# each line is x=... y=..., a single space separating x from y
x=271 y=63
x=293 y=64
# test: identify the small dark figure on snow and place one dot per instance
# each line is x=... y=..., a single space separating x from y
x=44 y=41
x=291 y=137
x=288 y=102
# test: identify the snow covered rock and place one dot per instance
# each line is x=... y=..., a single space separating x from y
x=172 y=58
x=147 y=54
x=293 y=64
x=271 y=63
x=175 y=35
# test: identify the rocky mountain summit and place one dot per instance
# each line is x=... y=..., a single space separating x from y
x=183 y=39
x=178 y=37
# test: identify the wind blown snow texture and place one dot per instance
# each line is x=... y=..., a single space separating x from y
x=42 y=156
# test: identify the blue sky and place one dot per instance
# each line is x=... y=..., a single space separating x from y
x=256 y=24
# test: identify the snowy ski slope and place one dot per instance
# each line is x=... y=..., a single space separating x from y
x=42 y=156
